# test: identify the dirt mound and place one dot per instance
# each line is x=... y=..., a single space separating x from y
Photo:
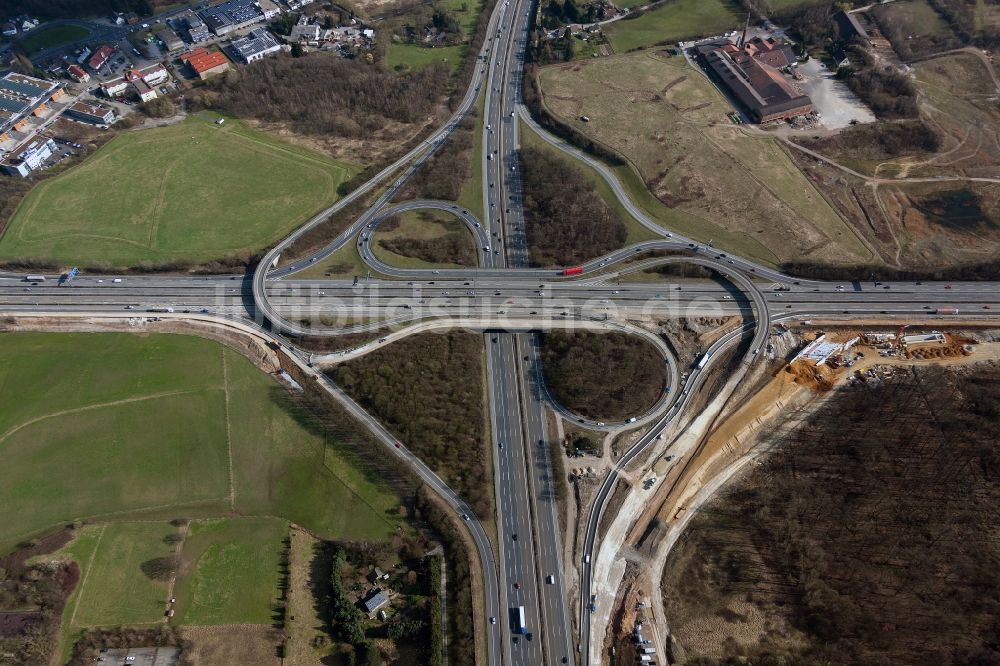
x=925 y=353
x=817 y=377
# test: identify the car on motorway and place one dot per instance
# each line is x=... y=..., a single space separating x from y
x=465 y=516
x=493 y=620
x=517 y=585
x=550 y=580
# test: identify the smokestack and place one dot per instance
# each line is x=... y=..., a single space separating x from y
x=746 y=26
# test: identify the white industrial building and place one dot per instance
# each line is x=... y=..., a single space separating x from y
x=257 y=44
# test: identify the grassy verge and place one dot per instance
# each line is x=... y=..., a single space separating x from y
x=45 y=38
x=403 y=57
x=471 y=197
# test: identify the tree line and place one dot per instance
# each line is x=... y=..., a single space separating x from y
x=69 y=9
x=461 y=634
x=885 y=140
x=322 y=93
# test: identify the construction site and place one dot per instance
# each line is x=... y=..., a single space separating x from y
x=818 y=379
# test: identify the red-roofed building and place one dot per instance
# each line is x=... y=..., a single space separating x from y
x=205 y=63
x=78 y=74
x=753 y=78
x=100 y=57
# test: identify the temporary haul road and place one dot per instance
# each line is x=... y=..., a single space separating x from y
x=499 y=295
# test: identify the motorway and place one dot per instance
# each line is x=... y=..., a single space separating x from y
x=530 y=551
x=503 y=294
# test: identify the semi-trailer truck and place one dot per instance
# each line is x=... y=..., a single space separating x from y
x=34 y=278
x=946 y=311
x=521 y=624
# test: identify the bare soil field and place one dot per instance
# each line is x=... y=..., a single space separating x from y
x=865 y=536
x=709 y=177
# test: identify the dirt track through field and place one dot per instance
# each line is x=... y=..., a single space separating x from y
x=77 y=410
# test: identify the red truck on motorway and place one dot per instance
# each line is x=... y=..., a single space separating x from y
x=574 y=270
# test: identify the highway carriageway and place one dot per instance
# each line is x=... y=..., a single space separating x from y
x=372 y=298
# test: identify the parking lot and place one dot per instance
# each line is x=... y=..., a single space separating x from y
x=835 y=105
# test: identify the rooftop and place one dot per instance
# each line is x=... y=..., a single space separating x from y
x=201 y=60
x=257 y=41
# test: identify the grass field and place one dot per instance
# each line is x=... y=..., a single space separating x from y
x=192 y=191
x=115 y=424
x=781 y=5
x=916 y=17
x=412 y=56
x=690 y=167
x=53 y=36
x=230 y=574
x=675 y=21
x=231 y=571
x=113 y=588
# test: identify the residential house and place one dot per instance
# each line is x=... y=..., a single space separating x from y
x=142 y=81
x=304 y=32
x=100 y=57
x=269 y=9
x=77 y=73
x=143 y=90
x=375 y=600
